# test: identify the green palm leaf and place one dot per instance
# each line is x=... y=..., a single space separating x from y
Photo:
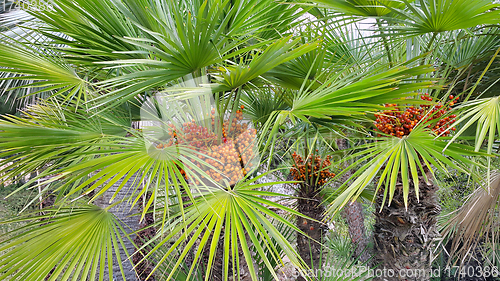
x=344 y=99
x=485 y=113
x=469 y=46
x=71 y=244
x=46 y=72
x=359 y=97
x=393 y=160
x=240 y=218
x=89 y=31
x=230 y=78
x=366 y=8
x=276 y=54
x=435 y=16
x=51 y=136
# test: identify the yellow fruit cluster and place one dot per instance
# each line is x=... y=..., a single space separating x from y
x=228 y=158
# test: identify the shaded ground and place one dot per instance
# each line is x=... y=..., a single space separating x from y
x=10 y=207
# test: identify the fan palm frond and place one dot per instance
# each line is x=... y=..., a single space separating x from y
x=70 y=244
x=435 y=16
x=241 y=219
x=393 y=160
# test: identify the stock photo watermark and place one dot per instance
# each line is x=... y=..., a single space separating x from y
x=414 y=273
x=28 y=5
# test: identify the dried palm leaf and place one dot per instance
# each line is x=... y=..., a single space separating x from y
x=477 y=220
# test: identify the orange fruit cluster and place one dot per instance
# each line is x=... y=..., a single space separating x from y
x=227 y=161
x=189 y=134
x=313 y=169
x=399 y=123
x=235 y=127
x=245 y=146
x=228 y=158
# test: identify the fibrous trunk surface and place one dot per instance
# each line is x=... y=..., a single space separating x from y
x=404 y=238
x=353 y=214
x=309 y=249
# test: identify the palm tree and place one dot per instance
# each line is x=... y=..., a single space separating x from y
x=462 y=229
x=100 y=62
x=57 y=70
x=405 y=163
x=63 y=75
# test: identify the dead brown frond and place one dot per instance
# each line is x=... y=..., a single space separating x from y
x=477 y=220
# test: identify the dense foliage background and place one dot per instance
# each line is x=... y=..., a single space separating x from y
x=249 y=140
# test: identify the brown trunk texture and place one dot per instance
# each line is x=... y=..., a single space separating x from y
x=309 y=204
x=144 y=267
x=354 y=216
x=404 y=238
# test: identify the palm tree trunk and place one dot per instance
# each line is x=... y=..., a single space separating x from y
x=404 y=238
x=217 y=271
x=146 y=266
x=353 y=214
x=355 y=219
x=309 y=204
x=131 y=223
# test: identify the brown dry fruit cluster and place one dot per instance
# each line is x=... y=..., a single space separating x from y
x=228 y=160
x=398 y=122
x=313 y=170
